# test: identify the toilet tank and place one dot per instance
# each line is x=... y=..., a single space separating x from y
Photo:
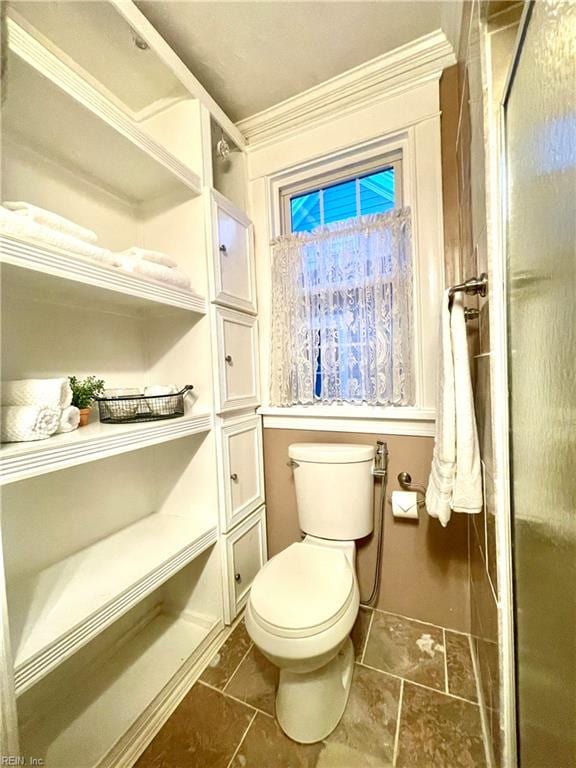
x=334 y=489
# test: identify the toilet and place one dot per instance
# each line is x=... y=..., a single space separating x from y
x=304 y=601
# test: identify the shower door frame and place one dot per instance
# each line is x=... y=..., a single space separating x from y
x=501 y=416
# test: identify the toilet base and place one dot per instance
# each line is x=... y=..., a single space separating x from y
x=309 y=705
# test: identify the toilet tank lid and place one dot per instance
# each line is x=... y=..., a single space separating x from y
x=331 y=453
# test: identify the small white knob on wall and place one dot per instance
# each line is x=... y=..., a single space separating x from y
x=405 y=504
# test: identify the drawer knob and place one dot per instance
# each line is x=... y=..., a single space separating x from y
x=223 y=249
x=234 y=476
x=237 y=577
x=228 y=359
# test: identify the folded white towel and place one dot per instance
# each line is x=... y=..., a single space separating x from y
x=69 y=419
x=455 y=482
x=154 y=271
x=22 y=423
x=20 y=226
x=155 y=257
x=53 y=393
x=52 y=221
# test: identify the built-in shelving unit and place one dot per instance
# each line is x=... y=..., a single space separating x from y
x=59 y=609
x=63 y=276
x=111 y=559
x=19 y=461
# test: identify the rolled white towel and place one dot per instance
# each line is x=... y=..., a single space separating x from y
x=22 y=423
x=69 y=419
x=52 y=220
x=155 y=272
x=53 y=393
x=20 y=226
x=154 y=257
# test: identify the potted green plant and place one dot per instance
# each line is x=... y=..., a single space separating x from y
x=83 y=393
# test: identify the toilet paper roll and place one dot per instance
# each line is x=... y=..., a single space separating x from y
x=405 y=504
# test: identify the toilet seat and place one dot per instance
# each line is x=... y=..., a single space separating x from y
x=302 y=591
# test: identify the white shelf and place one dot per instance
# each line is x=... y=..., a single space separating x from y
x=63 y=276
x=70 y=120
x=19 y=461
x=120 y=700
x=60 y=609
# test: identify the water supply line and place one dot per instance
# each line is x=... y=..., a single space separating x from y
x=380 y=470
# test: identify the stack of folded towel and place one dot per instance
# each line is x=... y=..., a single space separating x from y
x=153 y=264
x=25 y=220
x=34 y=409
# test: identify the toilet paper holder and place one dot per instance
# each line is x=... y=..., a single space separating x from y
x=405 y=482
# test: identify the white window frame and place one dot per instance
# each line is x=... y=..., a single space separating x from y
x=421 y=180
x=343 y=174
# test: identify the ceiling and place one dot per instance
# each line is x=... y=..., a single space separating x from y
x=252 y=55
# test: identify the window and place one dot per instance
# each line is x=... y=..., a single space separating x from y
x=352 y=192
x=342 y=324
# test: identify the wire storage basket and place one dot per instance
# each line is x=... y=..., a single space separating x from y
x=126 y=409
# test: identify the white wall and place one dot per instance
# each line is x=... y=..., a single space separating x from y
x=410 y=120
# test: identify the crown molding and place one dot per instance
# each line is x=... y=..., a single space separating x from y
x=388 y=75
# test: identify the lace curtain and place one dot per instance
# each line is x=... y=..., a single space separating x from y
x=342 y=313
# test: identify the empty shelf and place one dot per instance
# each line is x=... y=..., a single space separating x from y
x=60 y=609
x=82 y=128
x=109 y=710
x=19 y=461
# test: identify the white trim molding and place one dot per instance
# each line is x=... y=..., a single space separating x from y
x=385 y=76
x=377 y=420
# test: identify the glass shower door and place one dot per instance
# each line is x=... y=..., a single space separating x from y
x=540 y=124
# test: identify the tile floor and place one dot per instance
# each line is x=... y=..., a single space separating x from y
x=412 y=705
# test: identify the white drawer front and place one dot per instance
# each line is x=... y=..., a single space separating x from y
x=238 y=366
x=246 y=554
x=243 y=471
x=234 y=283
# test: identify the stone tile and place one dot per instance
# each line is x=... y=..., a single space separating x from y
x=224 y=663
x=255 y=682
x=483 y=409
x=204 y=730
x=360 y=631
x=484 y=320
x=368 y=727
x=406 y=648
x=495 y=736
x=438 y=731
x=364 y=738
x=461 y=679
x=266 y=746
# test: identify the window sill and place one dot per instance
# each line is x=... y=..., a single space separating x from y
x=348 y=418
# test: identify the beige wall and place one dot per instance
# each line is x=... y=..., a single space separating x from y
x=424 y=566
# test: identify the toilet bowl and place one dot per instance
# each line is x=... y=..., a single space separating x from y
x=305 y=600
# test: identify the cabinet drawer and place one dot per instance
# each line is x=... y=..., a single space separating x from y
x=234 y=281
x=245 y=555
x=243 y=481
x=238 y=363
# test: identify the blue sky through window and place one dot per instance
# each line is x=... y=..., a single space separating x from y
x=371 y=193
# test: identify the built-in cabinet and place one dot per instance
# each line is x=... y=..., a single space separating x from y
x=125 y=548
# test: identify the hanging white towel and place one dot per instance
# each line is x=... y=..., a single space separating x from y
x=23 y=423
x=54 y=393
x=154 y=271
x=155 y=257
x=467 y=492
x=52 y=221
x=455 y=479
x=69 y=419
